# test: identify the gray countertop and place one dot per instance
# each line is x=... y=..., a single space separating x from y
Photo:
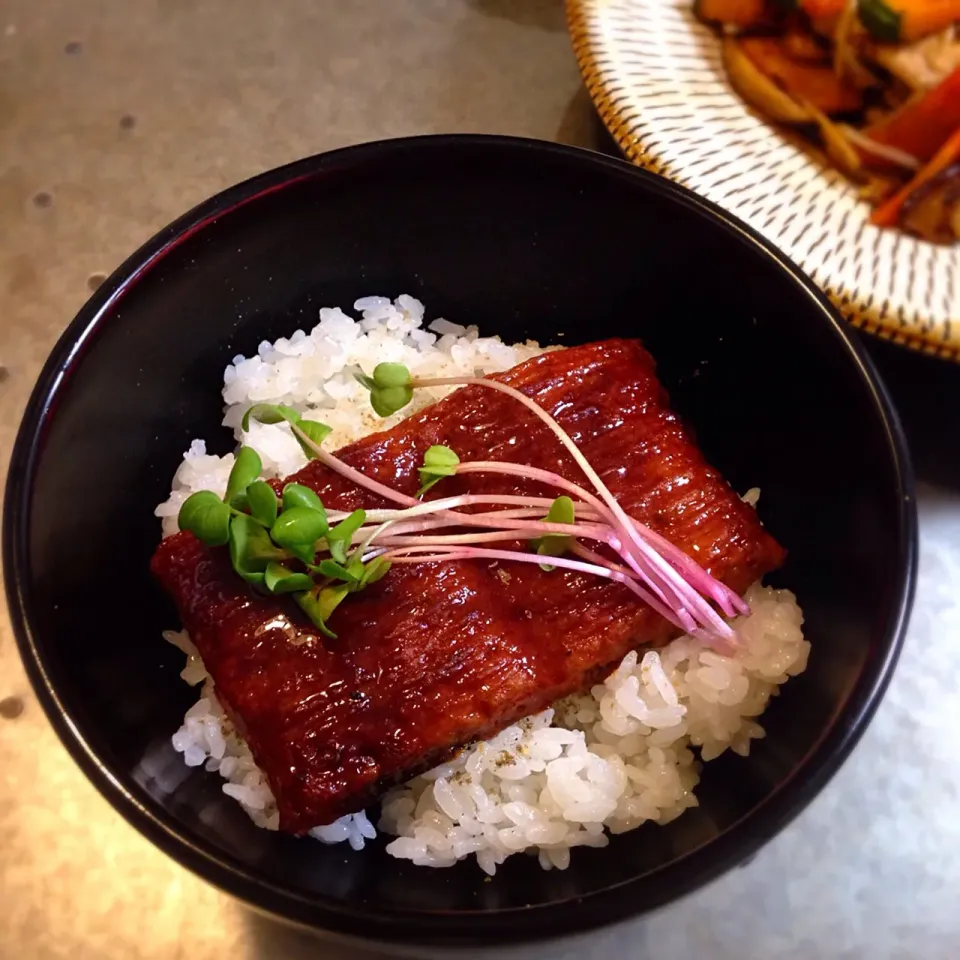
x=117 y=116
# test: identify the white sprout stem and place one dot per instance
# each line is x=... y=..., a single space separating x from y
x=527 y=472
x=448 y=506
x=539 y=528
x=401 y=540
x=591 y=509
x=591 y=556
x=416 y=507
x=442 y=522
x=540 y=505
x=514 y=531
x=665 y=576
x=445 y=508
x=699 y=607
x=661 y=577
x=519 y=529
x=432 y=554
x=351 y=473
x=371 y=535
x=556 y=480
x=545 y=418
x=400 y=528
x=727 y=599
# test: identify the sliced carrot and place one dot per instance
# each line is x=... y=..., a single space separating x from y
x=903 y=21
x=888 y=213
x=800 y=44
x=805 y=81
x=817 y=9
x=922 y=125
x=732 y=13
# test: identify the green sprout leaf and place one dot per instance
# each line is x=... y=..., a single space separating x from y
x=561 y=511
x=352 y=573
x=318 y=605
x=304 y=552
x=299 y=527
x=386 y=375
x=207 y=517
x=245 y=470
x=556 y=544
x=438 y=462
x=251 y=549
x=262 y=502
x=297 y=495
x=339 y=537
x=269 y=413
x=388 y=401
x=390 y=387
x=277 y=529
x=314 y=431
x=279 y=579
x=330 y=598
x=375 y=570
x=355 y=574
x=277 y=413
x=882 y=20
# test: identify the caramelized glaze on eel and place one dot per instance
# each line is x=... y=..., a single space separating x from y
x=438 y=655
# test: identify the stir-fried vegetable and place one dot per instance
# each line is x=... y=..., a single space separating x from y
x=923 y=65
x=815 y=63
x=932 y=211
x=922 y=125
x=758 y=89
x=816 y=84
x=804 y=47
x=734 y=13
x=817 y=9
x=902 y=21
x=947 y=157
x=837 y=144
x=878 y=155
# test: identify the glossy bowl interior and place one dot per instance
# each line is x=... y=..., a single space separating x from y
x=524 y=239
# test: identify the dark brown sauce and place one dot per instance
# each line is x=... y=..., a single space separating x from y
x=437 y=655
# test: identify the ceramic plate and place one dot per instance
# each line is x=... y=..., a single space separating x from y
x=656 y=76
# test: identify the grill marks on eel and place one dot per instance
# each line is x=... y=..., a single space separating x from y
x=436 y=655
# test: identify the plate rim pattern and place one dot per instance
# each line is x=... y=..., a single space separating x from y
x=589 y=27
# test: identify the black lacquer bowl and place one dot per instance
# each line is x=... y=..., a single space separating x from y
x=525 y=239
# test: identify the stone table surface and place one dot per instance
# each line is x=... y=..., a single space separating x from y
x=117 y=116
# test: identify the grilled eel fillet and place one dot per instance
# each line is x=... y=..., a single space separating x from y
x=436 y=655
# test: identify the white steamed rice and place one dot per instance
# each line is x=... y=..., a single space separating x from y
x=600 y=763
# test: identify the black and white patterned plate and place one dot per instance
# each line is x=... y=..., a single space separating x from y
x=657 y=78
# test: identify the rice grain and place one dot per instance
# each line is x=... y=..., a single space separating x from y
x=599 y=763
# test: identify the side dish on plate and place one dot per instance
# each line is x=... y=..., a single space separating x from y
x=516 y=607
x=874 y=83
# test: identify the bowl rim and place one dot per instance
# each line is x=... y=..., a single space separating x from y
x=497 y=926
